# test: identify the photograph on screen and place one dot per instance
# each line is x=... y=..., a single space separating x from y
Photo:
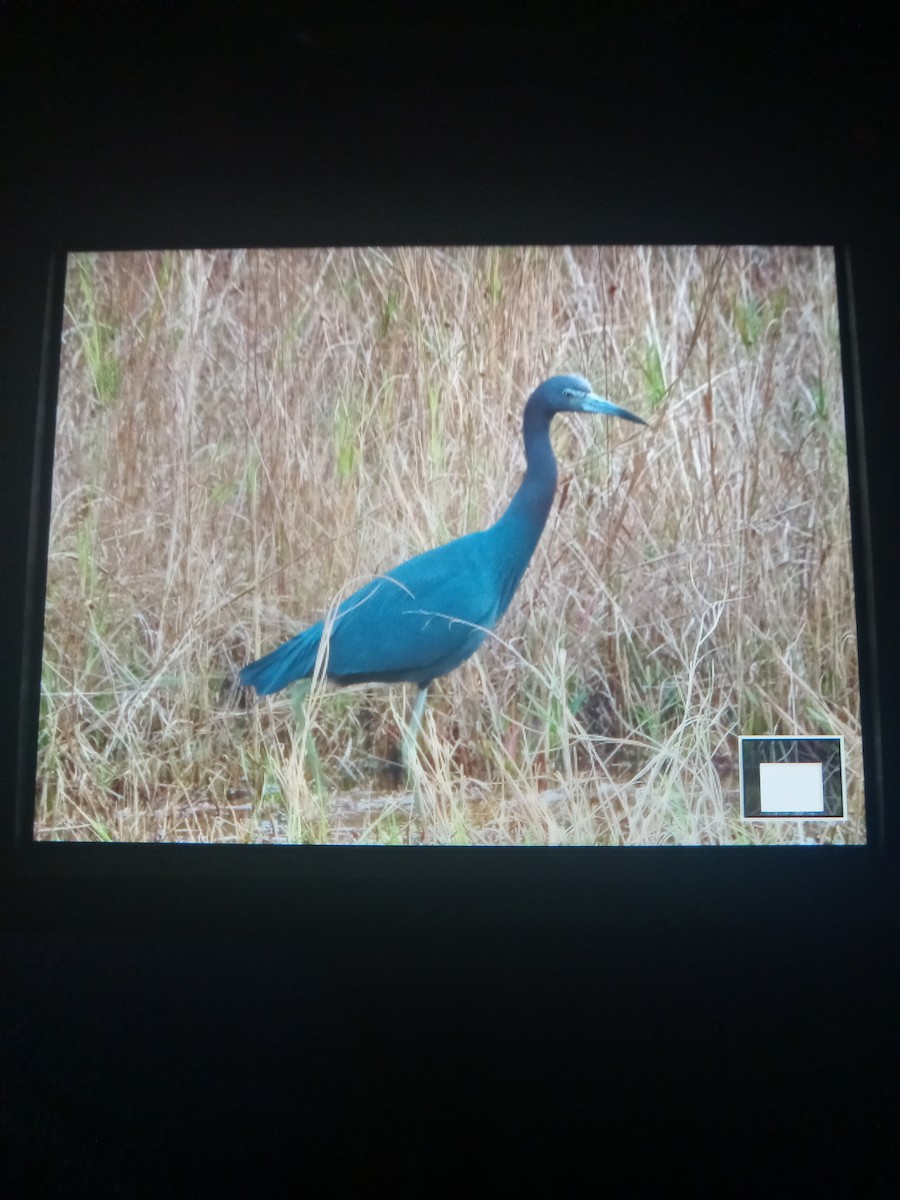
x=466 y=546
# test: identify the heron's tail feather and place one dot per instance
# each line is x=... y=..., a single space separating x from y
x=294 y=660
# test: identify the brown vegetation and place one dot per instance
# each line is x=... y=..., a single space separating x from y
x=244 y=436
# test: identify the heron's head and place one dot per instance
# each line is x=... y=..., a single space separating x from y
x=573 y=393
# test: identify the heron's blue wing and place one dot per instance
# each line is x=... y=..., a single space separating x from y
x=420 y=620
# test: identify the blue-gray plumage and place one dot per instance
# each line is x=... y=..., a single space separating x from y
x=425 y=617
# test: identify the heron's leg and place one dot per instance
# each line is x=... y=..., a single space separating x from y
x=412 y=730
x=410 y=753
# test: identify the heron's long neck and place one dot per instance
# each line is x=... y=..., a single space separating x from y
x=530 y=506
x=518 y=531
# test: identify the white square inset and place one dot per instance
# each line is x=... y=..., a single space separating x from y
x=791 y=788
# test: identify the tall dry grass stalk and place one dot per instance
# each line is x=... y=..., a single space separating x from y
x=245 y=437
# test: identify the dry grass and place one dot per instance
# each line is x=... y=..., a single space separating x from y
x=244 y=436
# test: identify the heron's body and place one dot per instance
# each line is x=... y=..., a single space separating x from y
x=428 y=615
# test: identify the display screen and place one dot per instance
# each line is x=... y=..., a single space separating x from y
x=655 y=645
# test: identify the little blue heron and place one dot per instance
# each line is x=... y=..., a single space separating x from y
x=428 y=615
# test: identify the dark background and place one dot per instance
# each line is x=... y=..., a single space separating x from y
x=723 y=1019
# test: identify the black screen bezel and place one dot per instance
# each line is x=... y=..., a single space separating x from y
x=366 y=193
